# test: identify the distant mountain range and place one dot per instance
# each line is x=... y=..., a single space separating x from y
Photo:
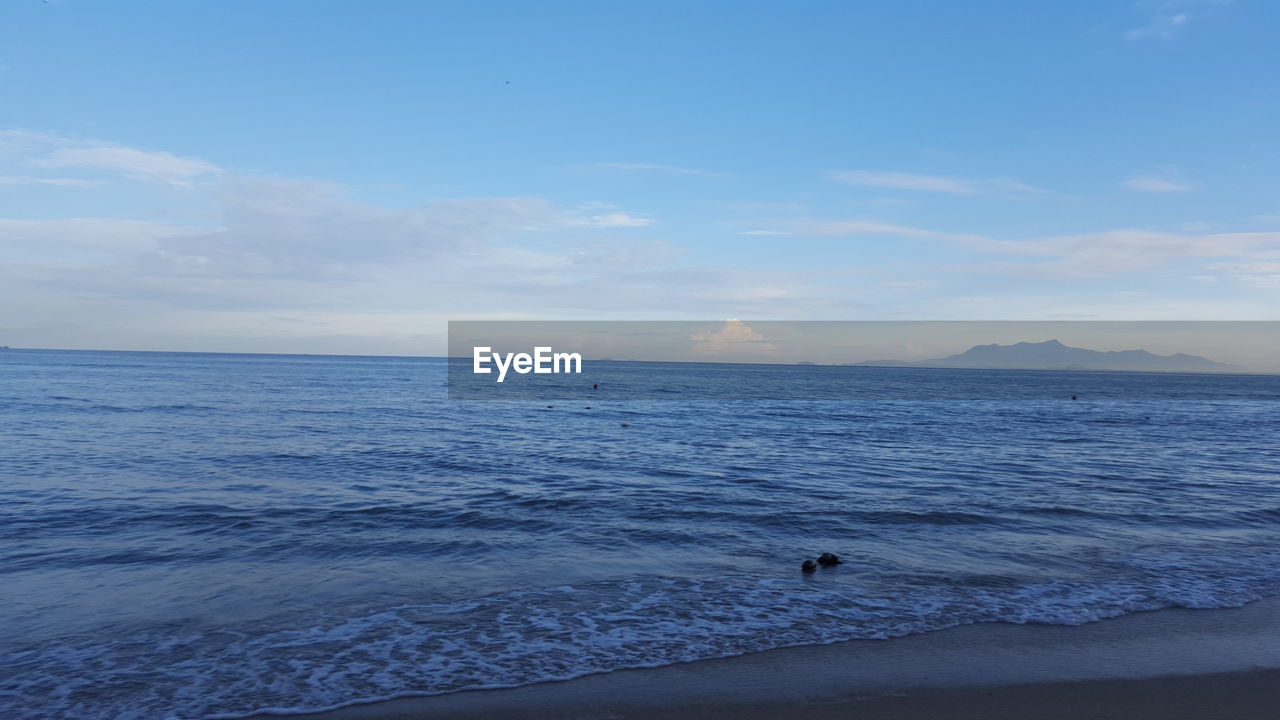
x=1053 y=355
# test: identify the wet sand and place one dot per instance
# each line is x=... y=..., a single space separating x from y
x=1170 y=665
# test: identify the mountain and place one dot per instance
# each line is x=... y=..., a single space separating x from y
x=1053 y=355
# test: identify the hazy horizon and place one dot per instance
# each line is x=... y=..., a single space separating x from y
x=831 y=342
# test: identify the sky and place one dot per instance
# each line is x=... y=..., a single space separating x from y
x=343 y=177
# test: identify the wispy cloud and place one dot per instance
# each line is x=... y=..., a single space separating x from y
x=1108 y=252
x=1169 y=19
x=1247 y=268
x=51 y=181
x=145 y=165
x=616 y=219
x=599 y=214
x=764 y=232
x=1151 y=183
x=1163 y=181
x=308 y=229
x=669 y=169
x=930 y=183
x=1083 y=255
x=99 y=237
x=26 y=150
x=853 y=228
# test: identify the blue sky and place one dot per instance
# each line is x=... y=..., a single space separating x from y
x=345 y=177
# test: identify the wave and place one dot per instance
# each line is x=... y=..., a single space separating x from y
x=528 y=636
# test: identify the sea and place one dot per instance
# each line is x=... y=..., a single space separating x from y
x=199 y=536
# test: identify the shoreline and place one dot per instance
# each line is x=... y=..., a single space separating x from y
x=1167 y=664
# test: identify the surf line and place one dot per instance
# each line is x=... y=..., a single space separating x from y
x=543 y=361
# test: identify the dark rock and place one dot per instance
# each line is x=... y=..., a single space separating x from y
x=808 y=566
x=828 y=560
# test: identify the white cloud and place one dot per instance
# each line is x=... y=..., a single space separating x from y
x=137 y=164
x=736 y=340
x=1158 y=183
x=930 y=183
x=15 y=141
x=281 y=248
x=53 y=181
x=669 y=169
x=863 y=227
x=27 y=149
x=1169 y=19
x=304 y=229
x=1252 y=273
x=1095 y=254
x=601 y=214
x=373 y=278
x=1089 y=254
x=1260 y=281
x=1247 y=268
x=614 y=219
x=100 y=236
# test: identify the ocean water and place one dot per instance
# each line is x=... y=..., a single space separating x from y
x=210 y=536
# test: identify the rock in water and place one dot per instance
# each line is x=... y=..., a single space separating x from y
x=828 y=560
x=808 y=566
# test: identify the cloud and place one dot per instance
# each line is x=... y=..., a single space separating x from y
x=1081 y=255
x=614 y=219
x=45 y=150
x=53 y=181
x=53 y=243
x=279 y=247
x=669 y=169
x=1247 y=268
x=161 y=166
x=1259 y=274
x=930 y=183
x=1260 y=281
x=1160 y=182
x=735 y=340
x=371 y=277
x=1095 y=254
x=873 y=228
x=16 y=141
x=1169 y=19
x=601 y=214
x=305 y=229
x=863 y=227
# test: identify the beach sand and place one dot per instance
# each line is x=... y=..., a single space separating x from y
x=1169 y=664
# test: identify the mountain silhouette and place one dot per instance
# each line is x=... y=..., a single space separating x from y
x=1053 y=355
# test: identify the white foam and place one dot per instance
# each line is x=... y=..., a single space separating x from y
x=556 y=633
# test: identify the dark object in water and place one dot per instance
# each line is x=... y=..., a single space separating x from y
x=1073 y=397
x=828 y=559
x=808 y=566
x=626 y=424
